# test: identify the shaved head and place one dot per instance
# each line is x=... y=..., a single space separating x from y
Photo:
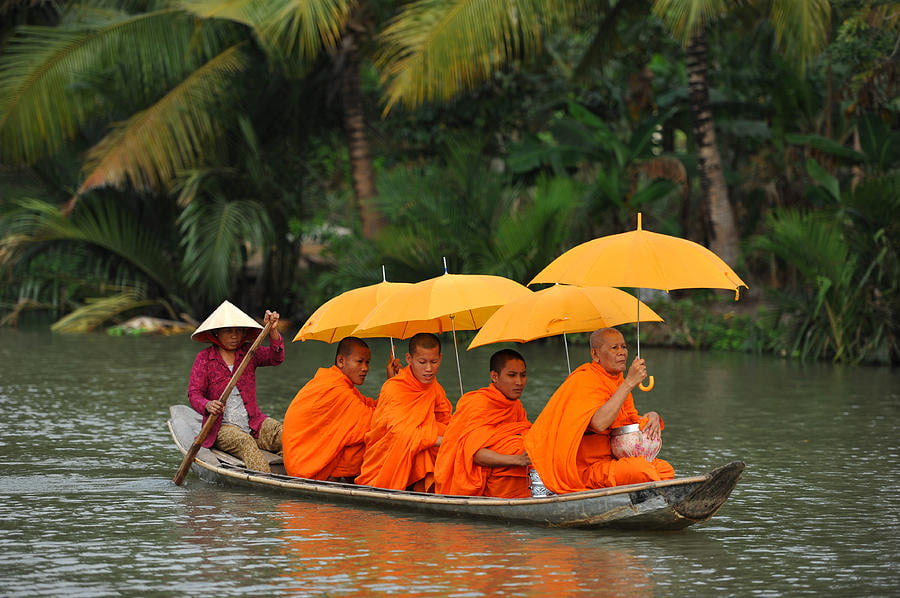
x=501 y=357
x=608 y=349
x=424 y=340
x=347 y=345
x=598 y=337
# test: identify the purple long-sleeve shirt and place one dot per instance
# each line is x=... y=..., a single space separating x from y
x=210 y=376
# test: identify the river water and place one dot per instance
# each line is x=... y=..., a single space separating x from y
x=88 y=508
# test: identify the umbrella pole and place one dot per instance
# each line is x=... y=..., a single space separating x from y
x=566 y=345
x=384 y=279
x=639 y=323
x=456 y=350
x=650 y=381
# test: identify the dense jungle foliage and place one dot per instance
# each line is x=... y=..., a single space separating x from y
x=157 y=157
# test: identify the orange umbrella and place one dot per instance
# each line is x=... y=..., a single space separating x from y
x=449 y=302
x=560 y=309
x=641 y=258
x=339 y=316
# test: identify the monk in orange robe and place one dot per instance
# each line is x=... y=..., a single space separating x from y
x=326 y=423
x=409 y=423
x=483 y=452
x=569 y=442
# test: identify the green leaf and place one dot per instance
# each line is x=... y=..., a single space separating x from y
x=829 y=146
x=823 y=178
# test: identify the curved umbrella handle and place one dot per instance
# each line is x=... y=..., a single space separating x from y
x=649 y=386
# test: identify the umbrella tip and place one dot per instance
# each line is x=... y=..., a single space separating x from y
x=445 y=264
x=639 y=221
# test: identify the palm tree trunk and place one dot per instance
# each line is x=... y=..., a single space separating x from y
x=355 y=128
x=724 y=237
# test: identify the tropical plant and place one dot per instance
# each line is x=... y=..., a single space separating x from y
x=846 y=295
x=801 y=28
x=113 y=262
x=628 y=175
x=462 y=211
x=179 y=80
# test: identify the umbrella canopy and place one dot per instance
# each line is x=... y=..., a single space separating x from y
x=449 y=302
x=339 y=316
x=560 y=309
x=639 y=259
x=445 y=303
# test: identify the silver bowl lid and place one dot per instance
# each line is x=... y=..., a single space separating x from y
x=624 y=429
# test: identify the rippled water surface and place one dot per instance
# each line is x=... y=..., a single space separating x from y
x=88 y=508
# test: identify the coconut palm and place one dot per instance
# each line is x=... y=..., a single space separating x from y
x=182 y=77
x=801 y=29
x=434 y=49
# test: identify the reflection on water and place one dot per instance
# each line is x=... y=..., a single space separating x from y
x=87 y=506
x=342 y=552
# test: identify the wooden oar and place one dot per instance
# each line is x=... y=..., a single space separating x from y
x=211 y=420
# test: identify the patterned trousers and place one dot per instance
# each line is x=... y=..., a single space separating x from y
x=242 y=445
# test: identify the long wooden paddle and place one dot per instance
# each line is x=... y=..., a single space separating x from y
x=211 y=421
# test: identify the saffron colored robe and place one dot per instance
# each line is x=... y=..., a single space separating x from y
x=484 y=418
x=325 y=427
x=568 y=455
x=409 y=416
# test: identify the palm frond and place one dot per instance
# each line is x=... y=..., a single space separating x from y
x=686 y=18
x=529 y=238
x=150 y=148
x=217 y=235
x=43 y=101
x=435 y=49
x=801 y=27
x=293 y=28
x=97 y=311
x=101 y=224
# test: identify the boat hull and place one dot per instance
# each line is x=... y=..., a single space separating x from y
x=663 y=505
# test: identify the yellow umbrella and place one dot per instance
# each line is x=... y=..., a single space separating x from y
x=641 y=258
x=449 y=302
x=339 y=316
x=560 y=309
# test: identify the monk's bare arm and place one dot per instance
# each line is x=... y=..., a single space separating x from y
x=488 y=458
x=607 y=412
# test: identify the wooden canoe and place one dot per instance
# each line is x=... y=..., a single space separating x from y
x=663 y=505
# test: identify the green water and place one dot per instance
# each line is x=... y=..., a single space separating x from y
x=88 y=508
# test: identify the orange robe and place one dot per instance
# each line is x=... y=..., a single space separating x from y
x=484 y=418
x=325 y=427
x=568 y=456
x=408 y=419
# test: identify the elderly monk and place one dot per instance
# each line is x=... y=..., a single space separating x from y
x=482 y=453
x=326 y=423
x=569 y=442
x=409 y=422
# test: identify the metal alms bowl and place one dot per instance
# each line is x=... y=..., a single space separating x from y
x=630 y=428
x=629 y=441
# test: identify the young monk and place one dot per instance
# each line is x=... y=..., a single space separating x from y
x=326 y=423
x=242 y=429
x=569 y=442
x=410 y=418
x=482 y=453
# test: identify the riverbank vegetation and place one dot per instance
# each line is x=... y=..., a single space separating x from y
x=159 y=156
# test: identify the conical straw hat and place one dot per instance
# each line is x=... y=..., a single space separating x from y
x=225 y=316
